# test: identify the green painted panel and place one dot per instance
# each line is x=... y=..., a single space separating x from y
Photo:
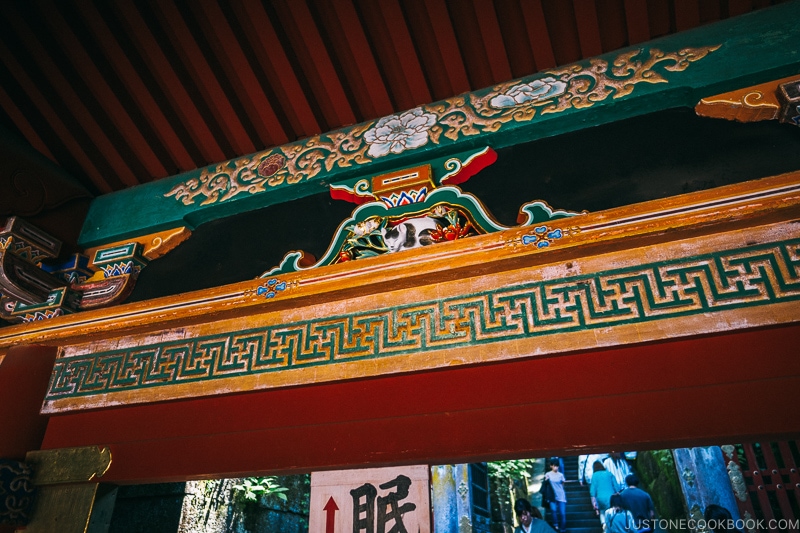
x=675 y=71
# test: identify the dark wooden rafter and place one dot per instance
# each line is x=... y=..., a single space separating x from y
x=515 y=37
x=43 y=106
x=739 y=7
x=273 y=60
x=392 y=39
x=238 y=70
x=120 y=93
x=660 y=18
x=637 y=21
x=101 y=90
x=168 y=82
x=588 y=27
x=538 y=36
x=471 y=42
x=560 y=17
x=159 y=123
x=24 y=125
x=710 y=11
x=438 y=16
x=71 y=102
x=315 y=62
x=204 y=79
x=361 y=71
x=492 y=40
x=687 y=15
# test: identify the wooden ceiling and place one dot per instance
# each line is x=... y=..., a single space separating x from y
x=122 y=92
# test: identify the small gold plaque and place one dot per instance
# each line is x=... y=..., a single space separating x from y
x=68 y=465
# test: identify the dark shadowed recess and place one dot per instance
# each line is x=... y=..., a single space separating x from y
x=654 y=156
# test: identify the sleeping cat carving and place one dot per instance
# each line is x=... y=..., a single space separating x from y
x=411 y=233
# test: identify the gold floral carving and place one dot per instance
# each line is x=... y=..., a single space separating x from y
x=555 y=91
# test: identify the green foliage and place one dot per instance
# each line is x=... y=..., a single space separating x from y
x=508 y=471
x=658 y=476
x=665 y=459
x=253 y=487
x=508 y=481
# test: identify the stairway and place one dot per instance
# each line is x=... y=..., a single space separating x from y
x=580 y=513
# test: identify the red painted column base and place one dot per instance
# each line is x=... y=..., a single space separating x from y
x=24 y=376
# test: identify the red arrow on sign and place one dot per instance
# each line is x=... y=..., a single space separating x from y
x=330 y=508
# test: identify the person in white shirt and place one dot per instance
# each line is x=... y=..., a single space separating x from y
x=558 y=505
x=618 y=466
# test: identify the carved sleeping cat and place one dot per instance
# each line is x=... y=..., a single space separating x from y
x=411 y=233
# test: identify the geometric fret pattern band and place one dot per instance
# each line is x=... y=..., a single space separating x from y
x=745 y=277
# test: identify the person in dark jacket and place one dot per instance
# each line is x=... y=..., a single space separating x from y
x=530 y=519
x=720 y=519
x=639 y=503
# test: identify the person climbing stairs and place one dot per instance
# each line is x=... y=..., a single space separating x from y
x=581 y=517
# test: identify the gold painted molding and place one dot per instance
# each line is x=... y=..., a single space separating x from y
x=700 y=263
x=749 y=104
x=447 y=323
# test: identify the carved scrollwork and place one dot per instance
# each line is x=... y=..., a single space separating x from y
x=17 y=491
x=555 y=91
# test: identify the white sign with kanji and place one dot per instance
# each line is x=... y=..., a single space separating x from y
x=371 y=500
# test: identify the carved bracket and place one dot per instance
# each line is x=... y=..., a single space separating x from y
x=774 y=100
x=34 y=286
x=789 y=97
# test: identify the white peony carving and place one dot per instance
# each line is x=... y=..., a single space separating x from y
x=397 y=133
x=529 y=92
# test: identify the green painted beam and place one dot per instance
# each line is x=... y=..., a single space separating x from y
x=674 y=71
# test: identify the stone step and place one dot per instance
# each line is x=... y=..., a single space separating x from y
x=579 y=496
x=579 y=506
x=585 y=522
x=581 y=517
x=575 y=488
